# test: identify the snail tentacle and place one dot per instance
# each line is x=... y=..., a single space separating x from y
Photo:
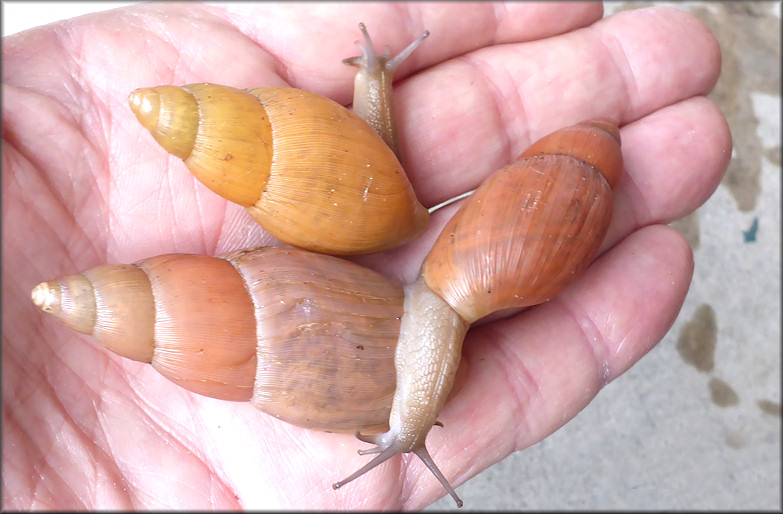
x=372 y=93
x=387 y=450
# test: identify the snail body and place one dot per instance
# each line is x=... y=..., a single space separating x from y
x=526 y=233
x=372 y=93
x=312 y=173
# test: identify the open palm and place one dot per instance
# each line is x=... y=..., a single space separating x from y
x=84 y=184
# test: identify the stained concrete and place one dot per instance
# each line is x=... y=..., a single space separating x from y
x=696 y=423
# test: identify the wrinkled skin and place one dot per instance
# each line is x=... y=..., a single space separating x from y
x=84 y=184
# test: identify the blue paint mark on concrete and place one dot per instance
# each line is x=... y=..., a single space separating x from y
x=750 y=234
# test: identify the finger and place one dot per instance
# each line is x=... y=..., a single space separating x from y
x=316 y=40
x=532 y=373
x=674 y=160
x=467 y=117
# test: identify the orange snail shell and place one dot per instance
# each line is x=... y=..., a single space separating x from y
x=308 y=338
x=309 y=171
x=532 y=227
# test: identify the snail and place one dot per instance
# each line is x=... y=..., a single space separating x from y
x=242 y=328
x=527 y=232
x=312 y=173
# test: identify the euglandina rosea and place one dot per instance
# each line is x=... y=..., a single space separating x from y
x=310 y=172
x=526 y=233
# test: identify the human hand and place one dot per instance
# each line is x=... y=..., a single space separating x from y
x=84 y=184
